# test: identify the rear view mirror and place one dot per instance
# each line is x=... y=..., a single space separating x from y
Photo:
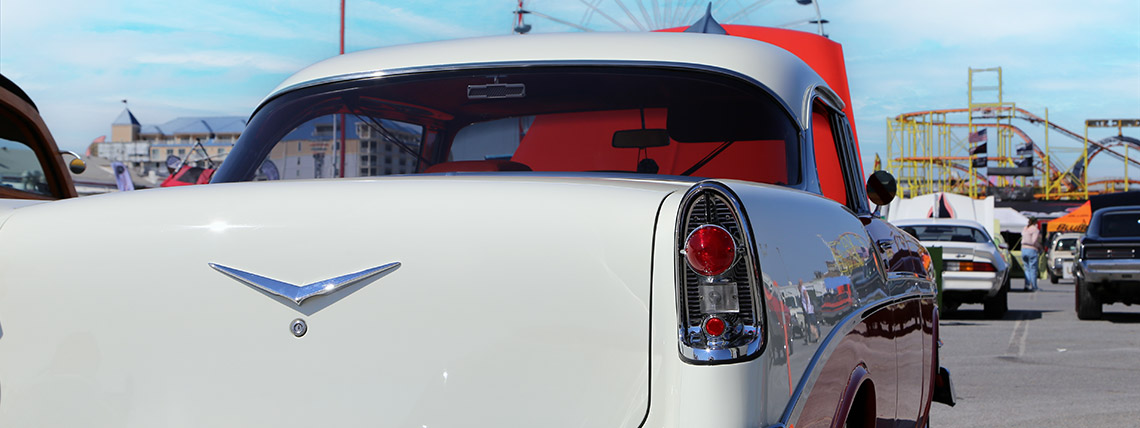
x=881 y=188
x=640 y=138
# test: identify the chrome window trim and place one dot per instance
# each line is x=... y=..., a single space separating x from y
x=845 y=149
x=827 y=347
x=825 y=95
x=758 y=332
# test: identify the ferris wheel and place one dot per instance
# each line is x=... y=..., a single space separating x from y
x=649 y=15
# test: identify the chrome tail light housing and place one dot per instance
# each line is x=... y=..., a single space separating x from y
x=720 y=309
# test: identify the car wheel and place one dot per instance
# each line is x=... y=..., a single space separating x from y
x=948 y=306
x=1052 y=278
x=1088 y=308
x=995 y=307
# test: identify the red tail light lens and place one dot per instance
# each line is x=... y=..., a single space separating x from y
x=714 y=327
x=970 y=267
x=710 y=250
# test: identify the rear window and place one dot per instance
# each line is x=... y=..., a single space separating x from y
x=942 y=233
x=577 y=119
x=1120 y=224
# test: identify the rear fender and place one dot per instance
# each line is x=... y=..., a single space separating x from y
x=855 y=382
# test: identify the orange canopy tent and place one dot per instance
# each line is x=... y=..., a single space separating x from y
x=1076 y=221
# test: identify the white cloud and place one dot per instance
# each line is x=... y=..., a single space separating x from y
x=225 y=60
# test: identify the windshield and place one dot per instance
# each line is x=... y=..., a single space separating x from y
x=1066 y=244
x=947 y=233
x=597 y=119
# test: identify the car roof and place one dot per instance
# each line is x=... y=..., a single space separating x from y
x=937 y=221
x=1118 y=209
x=787 y=77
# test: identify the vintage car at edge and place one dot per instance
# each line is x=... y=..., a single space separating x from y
x=1059 y=257
x=31 y=165
x=1107 y=269
x=595 y=230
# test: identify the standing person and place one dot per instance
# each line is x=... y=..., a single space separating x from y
x=1030 y=247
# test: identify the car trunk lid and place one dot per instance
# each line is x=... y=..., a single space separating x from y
x=516 y=299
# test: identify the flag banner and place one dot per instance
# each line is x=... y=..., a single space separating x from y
x=978 y=137
x=980 y=149
x=979 y=162
x=1020 y=171
x=1025 y=149
x=122 y=177
x=1025 y=162
x=878 y=163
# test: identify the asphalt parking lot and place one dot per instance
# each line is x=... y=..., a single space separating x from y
x=1040 y=366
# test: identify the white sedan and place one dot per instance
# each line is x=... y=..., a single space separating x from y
x=974 y=270
x=578 y=230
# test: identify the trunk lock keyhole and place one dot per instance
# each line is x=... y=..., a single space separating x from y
x=299 y=327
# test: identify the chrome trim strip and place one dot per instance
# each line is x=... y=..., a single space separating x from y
x=373 y=74
x=826 y=96
x=846 y=325
x=298 y=294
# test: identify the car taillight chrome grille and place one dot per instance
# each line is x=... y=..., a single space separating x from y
x=720 y=315
x=1123 y=252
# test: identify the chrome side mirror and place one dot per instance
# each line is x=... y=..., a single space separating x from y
x=77 y=165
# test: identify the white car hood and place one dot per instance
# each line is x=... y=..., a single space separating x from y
x=519 y=301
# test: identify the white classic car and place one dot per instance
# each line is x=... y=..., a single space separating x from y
x=570 y=230
x=1059 y=258
x=974 y=268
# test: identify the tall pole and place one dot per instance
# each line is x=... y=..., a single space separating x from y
x=818 y=18
x=1047 y=168
x=340 y=118
x=1120 y=133
x=1085 y=172
x=342 y=27
x=970 y=132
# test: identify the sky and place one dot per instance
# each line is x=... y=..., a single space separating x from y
x=79 y=59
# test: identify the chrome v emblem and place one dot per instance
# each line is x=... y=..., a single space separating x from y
x=296 y=293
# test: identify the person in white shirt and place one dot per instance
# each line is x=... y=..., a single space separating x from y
x=1030 y=247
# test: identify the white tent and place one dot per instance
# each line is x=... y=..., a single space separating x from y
x=944 y=205
x=1010 y=220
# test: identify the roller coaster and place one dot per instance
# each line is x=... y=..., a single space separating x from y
x=927 y=156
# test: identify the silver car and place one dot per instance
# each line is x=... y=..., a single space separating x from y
x=974 y=270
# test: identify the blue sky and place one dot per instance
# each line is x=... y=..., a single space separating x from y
x=79 y=59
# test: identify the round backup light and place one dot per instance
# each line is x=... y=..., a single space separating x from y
x=710 y=250
x=714 y=326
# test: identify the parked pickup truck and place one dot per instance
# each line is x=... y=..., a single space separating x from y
x=1108 y=260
